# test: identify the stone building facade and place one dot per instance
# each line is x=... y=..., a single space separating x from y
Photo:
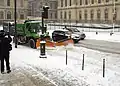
x=36 y=8
x=100 y=11
x=7 y=9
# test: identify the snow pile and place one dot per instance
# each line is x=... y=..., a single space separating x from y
x=103 y=36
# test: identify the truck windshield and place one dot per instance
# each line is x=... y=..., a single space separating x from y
x=35 y=27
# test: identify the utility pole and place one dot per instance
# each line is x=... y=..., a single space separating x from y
x=15 y=23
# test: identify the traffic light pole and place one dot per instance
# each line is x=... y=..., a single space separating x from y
x=42 y=42
x=15 y=24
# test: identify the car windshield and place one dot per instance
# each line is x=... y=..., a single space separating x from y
x=75 y=30
x=67 y=32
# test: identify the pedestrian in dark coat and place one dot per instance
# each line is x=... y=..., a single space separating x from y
x=4 y=51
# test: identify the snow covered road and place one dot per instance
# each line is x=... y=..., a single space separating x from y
x=105 y=46
x=30 y=70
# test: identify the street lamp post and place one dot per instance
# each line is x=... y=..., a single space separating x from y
x=15 y=23
x=114 y=12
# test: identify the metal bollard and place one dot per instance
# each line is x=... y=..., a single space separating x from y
x=42 y=49
x=83 y=63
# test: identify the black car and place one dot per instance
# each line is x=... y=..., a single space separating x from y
x=60 y=35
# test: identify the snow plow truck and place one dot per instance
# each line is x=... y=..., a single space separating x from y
x=29 y=31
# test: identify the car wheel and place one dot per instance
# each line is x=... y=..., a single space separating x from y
x=32 y=44
x=75 y=41
x=82 y=38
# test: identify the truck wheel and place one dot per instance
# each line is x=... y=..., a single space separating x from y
x=75 y=41
x=32 y=43
x=14 y=41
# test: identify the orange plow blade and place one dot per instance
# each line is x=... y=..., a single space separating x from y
x=53 y=44
x=64 y=43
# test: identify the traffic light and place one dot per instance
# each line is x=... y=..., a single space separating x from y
x=45 y=12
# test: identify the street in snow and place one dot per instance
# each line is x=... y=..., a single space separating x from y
x=25 y=62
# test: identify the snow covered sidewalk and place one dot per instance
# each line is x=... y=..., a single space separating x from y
x=27 y=68
x=22 y=74
x=23 y=77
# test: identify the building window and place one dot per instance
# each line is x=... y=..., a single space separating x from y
x=86 y=2
x=92 y=14
x=69 y=15
x=92 y=1
x=22 y=16
x=80 y=15
x=61 y=15
x=70 y=3
x=17 y=16
x=106 y=14
x=8 y=2
x=55 y=15
x=76 y=2
x=51 y=5
x=65 y=2
x=9 y=15
x=80 y=2
x=85 y=14
x=61 y=3
x=65 y=15
x=21 y=3
x=40 y=5
x=107 y=0
x=1 y=15
x=55 y=5
x=99 y=1
x=51 y=15
x=98 y=14
x=46 y=4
